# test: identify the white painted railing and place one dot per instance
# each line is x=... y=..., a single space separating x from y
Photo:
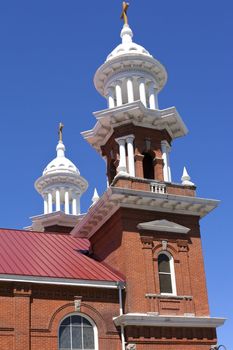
x=158 y=188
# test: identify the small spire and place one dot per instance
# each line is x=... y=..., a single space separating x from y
x=186 y=178
x=125 y=6
x=60 y=146
x=60 y=131
x=95 y=197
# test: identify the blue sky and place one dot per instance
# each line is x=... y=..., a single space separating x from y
x=50 y=51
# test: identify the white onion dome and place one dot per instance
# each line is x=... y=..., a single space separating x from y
x=61 y=173
x=129 y=58
x=127 y=47
x=61 y=164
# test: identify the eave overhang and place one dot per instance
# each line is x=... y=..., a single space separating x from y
x=39 y=222
x=137 y=114
x=62 y=281
x=140 y=319
x=116 y=197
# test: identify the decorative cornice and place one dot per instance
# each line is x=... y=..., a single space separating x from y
x=59 y=218
x=137 y=114
x=154 y=320
x=121 y=64
x=58 y=179
x=116 y=197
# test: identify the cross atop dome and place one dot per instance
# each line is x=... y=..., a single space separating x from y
x=125 y=6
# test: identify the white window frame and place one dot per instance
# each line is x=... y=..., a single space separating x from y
x=95 y=330
x=172 y=273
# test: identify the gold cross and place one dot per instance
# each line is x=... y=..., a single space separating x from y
x=61 y=126
x=124 y=16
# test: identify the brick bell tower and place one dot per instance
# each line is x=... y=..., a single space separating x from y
x=145 y=225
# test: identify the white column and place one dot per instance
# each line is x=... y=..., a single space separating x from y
x=58 y=200
x=111 y=103
x=165 y=155
x=118 y=93
x=153 y=102
x=130 y=149
x=46 y=203
x=67 y=203
x=122 y=164
x=50 y=202
x=168 y=164
x=142 y=90
x=130 y=93
x=75 y=204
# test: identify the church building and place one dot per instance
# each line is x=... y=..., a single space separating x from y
x=129 y=273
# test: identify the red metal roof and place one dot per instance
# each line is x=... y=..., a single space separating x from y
x=51 y=255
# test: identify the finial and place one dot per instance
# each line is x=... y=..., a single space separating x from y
x=186 y=179
x=125 y=6
x=61 y=126
x=95 y=197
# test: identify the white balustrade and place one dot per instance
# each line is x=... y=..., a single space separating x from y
x=158 y=188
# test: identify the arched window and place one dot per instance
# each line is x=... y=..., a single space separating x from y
x=148 y=166
x=166 y=269
x=112 y=171
x=78 y=332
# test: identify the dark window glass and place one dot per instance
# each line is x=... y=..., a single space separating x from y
x=165 y=283
x=88 y=338
x=77 y=338
x=112 y=171
x=165 y=278
x=64 y=337
x=164 y=263
x=76 y=333
x=148 y=166
x=76 y=320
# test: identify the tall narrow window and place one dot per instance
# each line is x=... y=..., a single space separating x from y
x=148 y=166
x=112 y=171
x=166 y=274
x=76 y=333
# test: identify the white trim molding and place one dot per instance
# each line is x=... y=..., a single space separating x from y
x=154 y=320
x=163 y=226
x=171 y=273
x=62 y=281
x=117 y=197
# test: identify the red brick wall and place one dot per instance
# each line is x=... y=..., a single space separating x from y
x=31 y=314
x=120 y=244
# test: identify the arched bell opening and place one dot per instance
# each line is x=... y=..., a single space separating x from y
x=112 y=171
x=148 y=166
